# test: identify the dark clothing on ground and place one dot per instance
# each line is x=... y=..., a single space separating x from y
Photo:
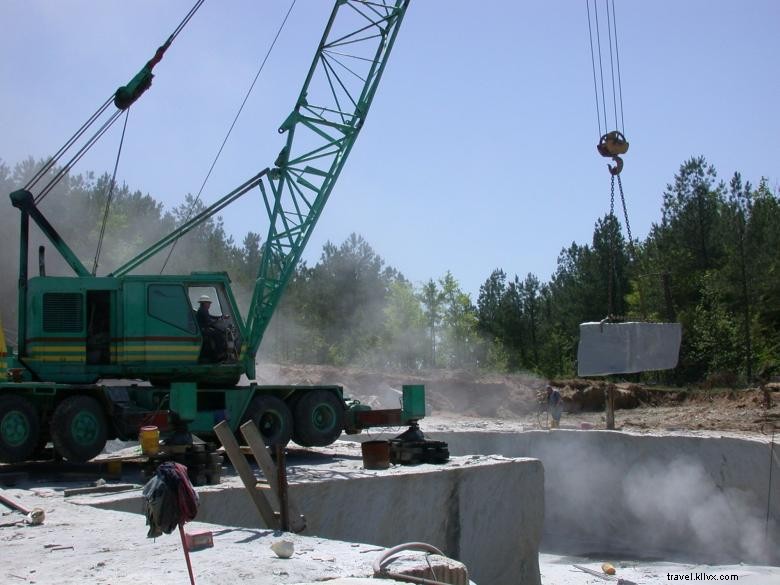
x=169 y=499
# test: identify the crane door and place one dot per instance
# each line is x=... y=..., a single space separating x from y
x=159 y=326
x=98 y=341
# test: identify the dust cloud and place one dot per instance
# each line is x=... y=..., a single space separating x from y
x=679 y=500
x=652 y=497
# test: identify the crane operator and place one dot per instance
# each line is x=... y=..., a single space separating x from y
x=214 y=343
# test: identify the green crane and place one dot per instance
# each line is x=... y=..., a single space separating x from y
x=76 y=331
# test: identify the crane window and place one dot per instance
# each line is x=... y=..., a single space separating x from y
x=63 y=312
x=169 y=304
x=196 y=292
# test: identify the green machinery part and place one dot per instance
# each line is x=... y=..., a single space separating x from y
x=321 y=130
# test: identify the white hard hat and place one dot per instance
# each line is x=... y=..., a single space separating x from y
x=204 y=299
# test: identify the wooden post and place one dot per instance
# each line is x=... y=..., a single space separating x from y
x=281 y=489
x=241 y=466
x=256 y=444
x=610 y=407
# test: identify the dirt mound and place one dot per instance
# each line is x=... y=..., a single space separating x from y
x=520 y=397
x=447 y=391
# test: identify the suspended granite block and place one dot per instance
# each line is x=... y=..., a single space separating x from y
x=624 y=348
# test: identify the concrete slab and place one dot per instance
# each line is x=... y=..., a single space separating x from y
x=486 y=511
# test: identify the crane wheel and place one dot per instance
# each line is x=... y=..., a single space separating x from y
x=273 y=419
x=319 y=418
x=19 y=429
x=79 y=428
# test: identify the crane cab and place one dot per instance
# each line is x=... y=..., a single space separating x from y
x=83 y=329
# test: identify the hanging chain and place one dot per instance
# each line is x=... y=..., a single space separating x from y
x=612 y=250
x=625 y=215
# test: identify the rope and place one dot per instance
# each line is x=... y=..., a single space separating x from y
x=109 y=196
x=230 y=130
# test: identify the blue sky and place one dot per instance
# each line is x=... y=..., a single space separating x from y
x=479 y=151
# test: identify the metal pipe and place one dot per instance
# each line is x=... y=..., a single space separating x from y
x=24 y=242
x=190 y=225
x=41 y=261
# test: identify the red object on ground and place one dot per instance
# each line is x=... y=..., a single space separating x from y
x=199 y=540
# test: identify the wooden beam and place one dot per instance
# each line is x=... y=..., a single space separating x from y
x=225 y=435
x=610 y=407
x=255 y=441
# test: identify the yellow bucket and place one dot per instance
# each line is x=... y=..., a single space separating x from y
x=150 y=440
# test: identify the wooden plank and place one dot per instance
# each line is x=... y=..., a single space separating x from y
x=225 y=435
x=255 y=441
x=610 y=407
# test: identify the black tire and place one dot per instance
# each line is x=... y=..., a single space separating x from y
x=273 y=419
x=19 y=429
x=79 y=428
x=319 y=418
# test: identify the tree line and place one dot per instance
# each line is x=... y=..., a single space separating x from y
x=710 y=262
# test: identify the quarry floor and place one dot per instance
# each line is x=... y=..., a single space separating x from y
x=80 y=543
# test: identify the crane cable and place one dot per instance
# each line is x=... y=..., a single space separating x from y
x=62 y=172
x=109 y=196
x=612 y=143
x=614 y=61
x=76 y=158
x=230 y=130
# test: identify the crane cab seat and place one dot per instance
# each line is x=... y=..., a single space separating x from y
x=217 y=329
x=612 y=144
x=215 y=346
